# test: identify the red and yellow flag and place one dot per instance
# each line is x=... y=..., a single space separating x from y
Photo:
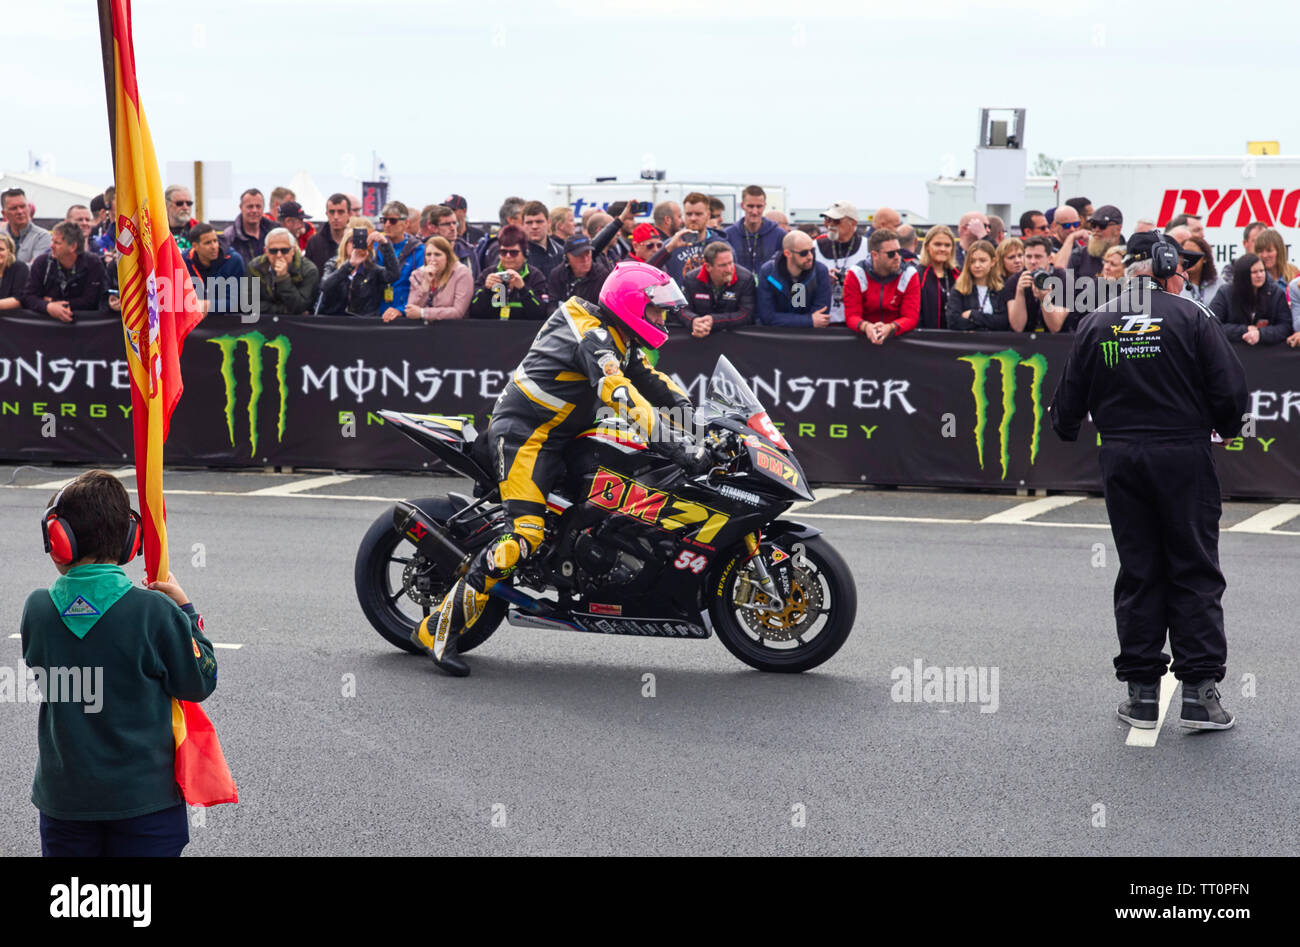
x=159 y=305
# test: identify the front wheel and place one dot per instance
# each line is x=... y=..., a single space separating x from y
x=820 y=603
x=396 y=586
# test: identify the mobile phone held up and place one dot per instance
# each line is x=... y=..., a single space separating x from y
x=359 y=239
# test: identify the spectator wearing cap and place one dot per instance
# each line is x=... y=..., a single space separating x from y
x=324 y=246
x=882 y=296
x=794 y=289
x=1083 y=250
x=510 y=214
x=545 y=253
x=754 y=239
x=721 y=295
x=840 y=249
x=1063 y=223
x=581 y=274
x=512 y=289
x=936 y=274
x=278 y=196
x=470 y=235
x=1033 y=223
x=294 y=219
x=972 y=226
x=685 y=249
x=410 y=255
x=647 y=242
x=289 y=281
x=214 y=269
x=442 y=288
x=247 y=235
x=13 y=275
x=65 y=279
x=1253 y=309
x=31 y=241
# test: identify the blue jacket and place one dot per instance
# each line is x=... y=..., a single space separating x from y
x=753 y=250
x=776 y=290
x=413 y=260
x=210 y=283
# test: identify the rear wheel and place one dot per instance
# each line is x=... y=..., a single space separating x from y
x=397 y=587
x=819 y=605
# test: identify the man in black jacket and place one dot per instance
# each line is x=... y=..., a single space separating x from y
x=581 y=274
x=720 y=295
x=1157 y=374
x=64 y=279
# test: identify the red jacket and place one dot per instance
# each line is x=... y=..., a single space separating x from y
x=896 y=299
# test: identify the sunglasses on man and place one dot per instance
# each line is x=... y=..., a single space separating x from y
x=393 y=220
x=276 y=251
x=183 y=203
x=505 y=252
x=1069 y=226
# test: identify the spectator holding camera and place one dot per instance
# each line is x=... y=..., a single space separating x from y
x=1030 y=307
x=13 y=274
x=581 y=274
x=65 y=279
x=1254 y=309
x=513 y=289
x=720 y=295
x=793 y=288
x=685 y=249
x=288 y=280
x=938 y=273
x=354 y=280
x=441 y=288
x=976 y=299
x=840 y=249
x=212 y=267
x=754 y=239
x=882 y=297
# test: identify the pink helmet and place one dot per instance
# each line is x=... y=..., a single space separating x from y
x=630 y=288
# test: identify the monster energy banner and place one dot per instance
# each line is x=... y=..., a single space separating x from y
x=933 y=408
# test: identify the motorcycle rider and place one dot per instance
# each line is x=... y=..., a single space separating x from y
x=584 y=353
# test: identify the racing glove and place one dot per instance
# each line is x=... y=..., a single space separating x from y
x=694 y=460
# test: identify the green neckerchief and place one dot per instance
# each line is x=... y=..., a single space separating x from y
x=85 y=593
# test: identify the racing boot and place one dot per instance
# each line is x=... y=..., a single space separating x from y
x=1142 y=709
x=1201 y=707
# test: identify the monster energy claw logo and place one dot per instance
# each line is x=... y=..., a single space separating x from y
x=1008 y=361
x=253 y=342
x=1110 y=352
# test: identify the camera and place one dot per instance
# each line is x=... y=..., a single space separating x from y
x=359 y=239
x=1040 y=278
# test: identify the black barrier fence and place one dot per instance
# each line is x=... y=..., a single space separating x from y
x=934 y=408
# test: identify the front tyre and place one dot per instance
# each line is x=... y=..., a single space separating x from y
x=817 y=614
x=395 y=584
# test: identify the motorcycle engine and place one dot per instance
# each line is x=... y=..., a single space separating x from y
x=606 y=558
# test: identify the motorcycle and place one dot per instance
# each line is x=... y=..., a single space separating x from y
x=633 y=545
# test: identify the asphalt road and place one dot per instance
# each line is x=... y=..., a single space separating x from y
x=551 y=747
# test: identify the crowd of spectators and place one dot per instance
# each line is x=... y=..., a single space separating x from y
x=880 y=278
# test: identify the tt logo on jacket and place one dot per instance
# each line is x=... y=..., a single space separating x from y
x=1138 y=325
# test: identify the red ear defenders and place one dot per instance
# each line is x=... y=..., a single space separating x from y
x=61 y=542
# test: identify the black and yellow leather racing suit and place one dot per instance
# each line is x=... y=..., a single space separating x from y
x=577 y=363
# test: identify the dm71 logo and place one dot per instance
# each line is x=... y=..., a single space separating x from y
x=253 y=344
x=1009 y=362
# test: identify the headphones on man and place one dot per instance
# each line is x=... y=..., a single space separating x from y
x=61 y=541
x=1165 y=257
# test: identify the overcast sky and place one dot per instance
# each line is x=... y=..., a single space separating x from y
x=834 y=98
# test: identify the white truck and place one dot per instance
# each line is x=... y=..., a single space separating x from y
x=1227 y=192
x=601 y=194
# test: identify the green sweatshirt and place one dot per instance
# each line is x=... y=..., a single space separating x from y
x=111 y=656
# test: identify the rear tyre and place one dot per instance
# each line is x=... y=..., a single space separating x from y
x=394 y=583
x=820 y=608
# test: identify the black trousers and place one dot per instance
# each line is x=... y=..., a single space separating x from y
x=1164 y=504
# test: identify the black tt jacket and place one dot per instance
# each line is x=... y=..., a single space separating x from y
x=958 y=303
x=360 y=296
x=562 y=284
x=1168 y=376
x=731 y=306
x=1273 y=316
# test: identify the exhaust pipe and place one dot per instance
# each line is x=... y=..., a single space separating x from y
x=428 y=535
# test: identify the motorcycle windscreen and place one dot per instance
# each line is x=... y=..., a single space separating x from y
x=729 y=395
x=771 y=463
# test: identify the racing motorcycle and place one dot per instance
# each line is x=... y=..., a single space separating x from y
x=633 y=544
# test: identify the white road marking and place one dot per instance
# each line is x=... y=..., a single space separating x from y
x=215 y=644
x=883 y=519
x=1168 y=686
x=1022 y=512
x=1265 y=520
x=58 y=484
x=298 y=486
x=826 y=493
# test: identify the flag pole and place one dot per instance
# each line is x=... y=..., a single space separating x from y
x=110 y=78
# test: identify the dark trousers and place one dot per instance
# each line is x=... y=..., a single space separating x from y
x=156 y=835
x=1164 y=503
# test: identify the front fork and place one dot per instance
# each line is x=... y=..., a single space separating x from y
x=765 y=583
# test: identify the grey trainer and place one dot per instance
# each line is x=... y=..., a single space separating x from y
x=1201 y=707
x=1142 y=709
